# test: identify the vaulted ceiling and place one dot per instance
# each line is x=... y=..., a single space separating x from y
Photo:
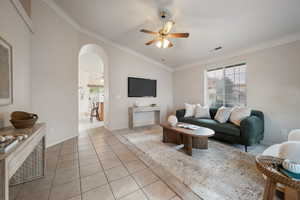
x=232 y=24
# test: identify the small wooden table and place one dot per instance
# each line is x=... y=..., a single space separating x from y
x=197 y=139
x=269 y=165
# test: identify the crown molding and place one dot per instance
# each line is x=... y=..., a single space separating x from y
x=125 y=49
x=258 y=47
x=60 y=12
x=23 y=14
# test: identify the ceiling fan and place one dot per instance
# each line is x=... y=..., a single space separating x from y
x=161 y=37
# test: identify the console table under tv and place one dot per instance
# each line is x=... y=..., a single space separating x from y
x=133 y=111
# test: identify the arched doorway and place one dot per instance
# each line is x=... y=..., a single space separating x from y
x=92 y=87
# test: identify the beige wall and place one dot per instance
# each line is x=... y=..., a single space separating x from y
x=54 y=79
x=55 y=50
x=14 y=31
x=273 y=86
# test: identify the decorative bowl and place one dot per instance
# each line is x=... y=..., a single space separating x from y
x=21 y=120
x=291 y=166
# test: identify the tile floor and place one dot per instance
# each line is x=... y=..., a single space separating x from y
x=86 y=124
x=92 y=167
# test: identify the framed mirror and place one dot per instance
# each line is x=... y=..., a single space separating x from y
x=6 y=93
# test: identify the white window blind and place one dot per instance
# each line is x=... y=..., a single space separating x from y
x=227 y=86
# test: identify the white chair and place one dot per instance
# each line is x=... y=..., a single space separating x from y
x=290 y=150
x=294 y=136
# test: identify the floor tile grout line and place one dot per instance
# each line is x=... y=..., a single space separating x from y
x=146 y=163
x=71 y=180
x=80 y=184
x=52 y=182
x=129 y=173
x=102 y=168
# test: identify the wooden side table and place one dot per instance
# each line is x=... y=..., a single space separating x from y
x=269 y=166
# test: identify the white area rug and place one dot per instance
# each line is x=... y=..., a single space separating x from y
x=221 y=172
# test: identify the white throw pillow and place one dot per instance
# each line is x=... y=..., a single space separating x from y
x=202 y=112
x=189 y=110
x=238 y=114
x=223 y=114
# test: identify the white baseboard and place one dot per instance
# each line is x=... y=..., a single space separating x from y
x=60 y=141
x=143 y=123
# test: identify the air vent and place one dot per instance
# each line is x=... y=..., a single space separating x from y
x=216 y=49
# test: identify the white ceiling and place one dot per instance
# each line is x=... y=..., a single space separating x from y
x=233 y=24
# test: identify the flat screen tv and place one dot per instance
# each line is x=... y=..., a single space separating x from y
x=139 y=87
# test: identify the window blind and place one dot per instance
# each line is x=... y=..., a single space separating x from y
x=227 y=86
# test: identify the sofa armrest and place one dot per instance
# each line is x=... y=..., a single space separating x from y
x=180 y=114
x=252 y=130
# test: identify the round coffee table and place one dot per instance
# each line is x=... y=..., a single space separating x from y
x=190 y=138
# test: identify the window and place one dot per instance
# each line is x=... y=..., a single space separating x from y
x=227 y=86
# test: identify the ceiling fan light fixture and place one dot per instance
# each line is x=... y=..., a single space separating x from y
x=168 y=26
x=163 y=43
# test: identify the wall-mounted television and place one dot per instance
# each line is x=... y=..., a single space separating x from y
x=140 y=87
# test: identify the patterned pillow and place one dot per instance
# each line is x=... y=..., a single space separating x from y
x=223 y=114
x=238 y=114
x=202 y=112
x=189 y=110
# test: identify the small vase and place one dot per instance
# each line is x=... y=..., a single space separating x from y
x=172 y=120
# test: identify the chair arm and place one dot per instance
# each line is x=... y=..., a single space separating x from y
x=252 y=130
x=180 y=114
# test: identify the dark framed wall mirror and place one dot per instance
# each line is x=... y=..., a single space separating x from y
x=6 y=76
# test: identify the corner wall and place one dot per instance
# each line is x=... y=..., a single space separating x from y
x=15 y=32
x=273 y=86
x=54 y=82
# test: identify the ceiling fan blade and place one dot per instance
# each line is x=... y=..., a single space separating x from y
x=178 y=35
x=149 y=32
x=151 y=42
x=170 y=45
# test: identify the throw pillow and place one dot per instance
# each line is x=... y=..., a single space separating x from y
x=238 y=114
x=189 y=110
x=223 y=114
x=202 y=112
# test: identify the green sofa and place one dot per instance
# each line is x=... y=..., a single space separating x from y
x=250 y=132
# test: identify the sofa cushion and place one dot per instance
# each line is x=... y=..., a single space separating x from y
x=223 y=114
x=226 y=128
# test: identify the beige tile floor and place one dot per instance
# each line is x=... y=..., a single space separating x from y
x=95 y=166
